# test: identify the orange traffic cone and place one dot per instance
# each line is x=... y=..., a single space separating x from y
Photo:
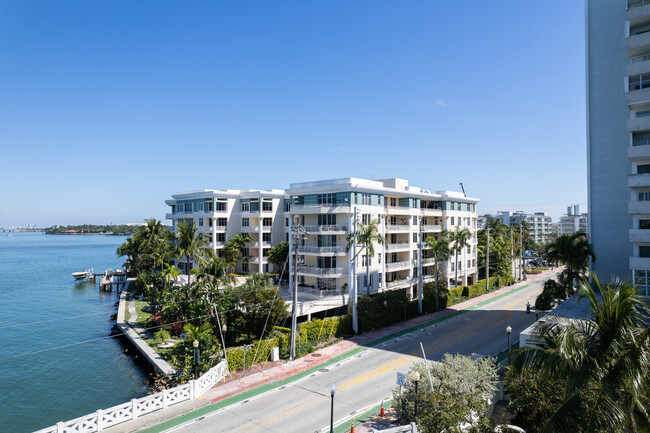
x=381 y=412
x=352 y=427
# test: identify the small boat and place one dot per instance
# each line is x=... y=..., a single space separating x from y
x=80 y=275
x=9 y=234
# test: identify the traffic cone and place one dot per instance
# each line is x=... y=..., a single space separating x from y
x=381 y=411
x=352 y=427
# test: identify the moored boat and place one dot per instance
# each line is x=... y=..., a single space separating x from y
x=80 y=275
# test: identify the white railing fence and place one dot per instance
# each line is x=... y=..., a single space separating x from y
x=106 y=418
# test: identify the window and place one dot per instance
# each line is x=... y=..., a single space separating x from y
x=639 y=82
x=245 y=206
x=393 y=200
x=643 y=168
x=415 y=237
x=365 y=199
x=210 y=222
x=221 y=237
x=267 y=222
x=469 y=250
x=222 y=222
x=245 y=222
x=266 y=237
x=415 y=220
x=221 y=205
x=366 y=261
x=393 y=257
x=287 y=206
x=452 y=267
x=644 y=224
x=393 y=220
x=643 y=113
x=327 y=220
x=200 y=222
x=326 y=240
x=452 y=221
x=469 y=264
x=244 y=267
x=245 y=252
x=286 y=222
x=200 y=207
x=326 y=283
x=265 y=252
x=644 y=251
x=327 y=262
x=267 y=205
x=329 y=198
x=644 y=196
x=365 y=218
x=460 y=266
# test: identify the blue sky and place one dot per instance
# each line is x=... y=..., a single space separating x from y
x=109 y=107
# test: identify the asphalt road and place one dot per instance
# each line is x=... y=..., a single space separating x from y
x=368 y=377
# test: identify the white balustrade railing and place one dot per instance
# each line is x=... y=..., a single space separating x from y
x=319 y=250
x=325 y=228
x=106 y=418
x=400 y=246
x=319 y=271
x=398 y=265
x=398 y=228
x=431 y=228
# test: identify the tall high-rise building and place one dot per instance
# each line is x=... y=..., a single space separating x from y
x=618 y=137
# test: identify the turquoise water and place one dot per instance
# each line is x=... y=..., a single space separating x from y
x=43 y=307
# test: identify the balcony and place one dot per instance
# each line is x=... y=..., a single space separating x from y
x=637 y=44
x=637 y=9
x=638 y=180
x=314 y=270
x=218 y=229
x=638 y=152
x=396 y=266
x=637 y=97
x=431 y=228
x=639 y=263
x=400 y=210
x=639 y=235
x=431 y=211
x=639 y=207
x=315 y=250
x=261 y=244
x=256 y=260
x=636 y=124
x=320 y=208
x=391 y=228
x=256 y=229
x=397 y=247
x=326 y=229
x=398 y=284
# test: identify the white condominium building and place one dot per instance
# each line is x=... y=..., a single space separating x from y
x=325 y=213
x=539 y=224
x=573 y=221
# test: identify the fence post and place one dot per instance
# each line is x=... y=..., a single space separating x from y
x=134 y=406
x=164 y=398
x=60 y=427
x=100 y=420
x=192 y=395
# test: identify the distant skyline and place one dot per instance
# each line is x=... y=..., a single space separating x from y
x=109 y=108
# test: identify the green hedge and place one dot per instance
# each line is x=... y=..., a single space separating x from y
x=463 y=293
x=236 y=354
x=313 y=332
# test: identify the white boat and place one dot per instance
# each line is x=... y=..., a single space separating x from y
x=9 y=234
x=80 y=275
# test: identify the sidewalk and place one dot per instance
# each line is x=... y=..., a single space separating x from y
x=266 y=380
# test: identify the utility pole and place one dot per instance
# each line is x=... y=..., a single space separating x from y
x=512 y=254
x=521 y=254
x=421 y=277
x=487 y=261
x=353 y=293
x=294 y=288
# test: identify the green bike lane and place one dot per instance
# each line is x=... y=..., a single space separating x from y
x=273 y=384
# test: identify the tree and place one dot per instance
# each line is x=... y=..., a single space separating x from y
x=190 y=242
x=183 y=352
x=234 y=250
x=439 y=250
x=460 y=239
x=575 y=251
x=149 y=247
x=366 y=236
x=213 y=271
x=603 y=360
x=278 y=256
x=461 y=389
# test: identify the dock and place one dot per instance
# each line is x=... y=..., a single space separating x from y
x=110 y=278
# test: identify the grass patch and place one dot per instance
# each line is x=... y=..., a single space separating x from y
x=143 y=316
x=127 y=315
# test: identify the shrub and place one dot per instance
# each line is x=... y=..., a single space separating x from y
x=236 y=354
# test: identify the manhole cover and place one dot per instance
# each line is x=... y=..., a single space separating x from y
x=323 y=370
x=315 y=355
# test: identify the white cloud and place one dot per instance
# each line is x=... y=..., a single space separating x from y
x=444 y=104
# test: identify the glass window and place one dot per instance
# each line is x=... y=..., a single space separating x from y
x=644 y=196
x=221 y=204
x=200 y=222
x=365 y=218
x=267 y=205
x=245 y=222
x=643 y=168
x=267 y=222
x=644 y=224
x=266 y=237
x=221 y=237
x=644 y=251
x=245 y=206
x=222 y=222
x=365 y=199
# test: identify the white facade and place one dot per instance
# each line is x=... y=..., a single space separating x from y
x=573 y=222
x=539 y=223
x=326 y=210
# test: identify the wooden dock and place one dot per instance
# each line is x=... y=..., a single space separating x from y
x=110 y=278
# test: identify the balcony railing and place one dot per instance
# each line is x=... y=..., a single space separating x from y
x=636 y=3
x=398 y=228
x=398 y=265
x=313 y=270
x=431 y=228
x=400 y=246
x=398 y=283
x=297 y=207
x=325 y=228
x=394 y=209
x=321 y=250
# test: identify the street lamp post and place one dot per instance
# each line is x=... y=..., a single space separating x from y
x=197 y=354
x=332 y=392
x=508 y=331
x=416 y=378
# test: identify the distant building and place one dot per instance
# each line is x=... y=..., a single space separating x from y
x=539 y=223
x=573 y=221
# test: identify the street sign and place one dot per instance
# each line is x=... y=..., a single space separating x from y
x=401 y=379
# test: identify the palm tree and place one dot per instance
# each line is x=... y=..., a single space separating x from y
x=234 y=250
x=460 y=239
x=213 y=271
x=604 y=360
x=439 y=249
x=575 y=251
x=190 y=242
x=170 y=272
x=366 y=237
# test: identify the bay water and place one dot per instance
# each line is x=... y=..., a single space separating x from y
x=56 y=359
